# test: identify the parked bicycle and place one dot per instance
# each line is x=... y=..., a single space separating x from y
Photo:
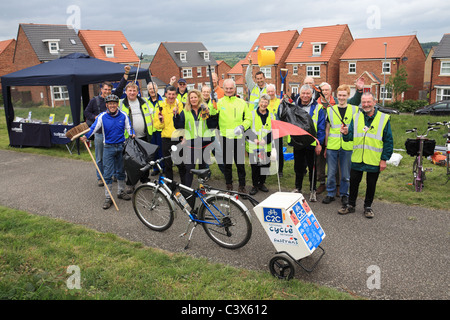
x=420 y=147
x=447 y=144
x=225 y=219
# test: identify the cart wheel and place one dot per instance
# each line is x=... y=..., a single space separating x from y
x=281 y=267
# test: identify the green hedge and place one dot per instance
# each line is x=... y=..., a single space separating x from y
x=407 y=105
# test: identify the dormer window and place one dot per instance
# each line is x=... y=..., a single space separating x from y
x=205 y=55
x=273 y=48
x=317 y=48
x=53 y=45
x=183 y=55
x=109 y=50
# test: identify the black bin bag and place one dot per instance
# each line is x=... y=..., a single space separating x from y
x=295 y=115
x=136 y=154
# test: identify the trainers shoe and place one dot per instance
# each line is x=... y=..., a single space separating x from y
x=107 y=204
x=347 y=209
x=253 y=191
x=368 y=212
x=123 y=195
x=263 y=188
x=296 y=191
x=100 y=183
x=321 y=188
x=328 y=199
x=229 y=187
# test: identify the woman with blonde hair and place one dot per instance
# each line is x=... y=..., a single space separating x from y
x=197 y=123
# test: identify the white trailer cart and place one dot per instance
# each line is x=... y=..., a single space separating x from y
x=293 y=229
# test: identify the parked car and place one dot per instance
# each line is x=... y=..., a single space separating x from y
x=440 y=108
x=387 y=110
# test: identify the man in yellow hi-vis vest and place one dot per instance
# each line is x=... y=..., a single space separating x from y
x=258 y=88
x=141 y=117
x=373 y=144
x=338 y=152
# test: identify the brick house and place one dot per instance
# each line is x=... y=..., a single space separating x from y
x=40 y=43
x=440 y=71
x=222 y=69
x=237 y=75
x=282 y=43
x=377 y=62
x=188 y=60
x=316 y=53
x=6 y=56
x=109 y=45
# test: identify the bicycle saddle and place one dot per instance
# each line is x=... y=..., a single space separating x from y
x=202 y=173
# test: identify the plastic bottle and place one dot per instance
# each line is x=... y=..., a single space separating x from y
x=182 y=201
x=29 y=116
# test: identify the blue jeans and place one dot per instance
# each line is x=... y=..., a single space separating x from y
x=343 y=159
x=113 y=162
x=98 y=142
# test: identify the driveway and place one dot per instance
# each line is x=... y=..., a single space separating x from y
x=403 y=249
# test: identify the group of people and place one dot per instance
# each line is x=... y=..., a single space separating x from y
x=349 y=140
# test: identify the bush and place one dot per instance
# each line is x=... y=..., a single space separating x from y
x=407 y=105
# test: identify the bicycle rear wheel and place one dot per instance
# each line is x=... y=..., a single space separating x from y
x=227 y=223
x=152 y=207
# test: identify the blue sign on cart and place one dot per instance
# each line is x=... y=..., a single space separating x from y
x=273 y=215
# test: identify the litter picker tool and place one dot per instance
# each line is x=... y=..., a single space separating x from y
x=283 y=79
x=139 y=65
x=213 y=98
x=77 y=132
x=312 y=196
x=319 y=90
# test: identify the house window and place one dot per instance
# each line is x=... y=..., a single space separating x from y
x=187 y=73
x=295 y=70
x=124 y=46
x=256 y=49
x=206 y=56
x=199 y=86
x=317 y=50
x=445 y=68
x=53 y=47
x=109 y=52
x=386 y=67
x=183 y=56
x=300 y=44
x=442 y=94
x=267 y=72
x=72 y=41
x=190 y=87
x=60 y=93
x=385 y=94
x=352 y=67
x=313 y=71
x=212 y=70
x=294 y=90
x=199 y=72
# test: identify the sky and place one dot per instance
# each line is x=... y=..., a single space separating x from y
x=229 y=25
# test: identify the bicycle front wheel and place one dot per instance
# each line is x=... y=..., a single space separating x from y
x=153 y=208
x=226 y=222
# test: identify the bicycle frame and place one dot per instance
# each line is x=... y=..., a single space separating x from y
x=419 y=172
x=447 y=144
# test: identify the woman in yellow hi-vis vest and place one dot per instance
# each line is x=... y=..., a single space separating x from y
x=373 y=145
x=198 y=127
x=259 y=144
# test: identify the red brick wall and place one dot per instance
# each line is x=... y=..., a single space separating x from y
x=329 y=70
x=162 y=66
x=437 y=79
x=415 y=67
x=6 y=59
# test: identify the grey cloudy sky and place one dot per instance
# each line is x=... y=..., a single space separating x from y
x=229 y=25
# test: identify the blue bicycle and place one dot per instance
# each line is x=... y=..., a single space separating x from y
x=225 y=219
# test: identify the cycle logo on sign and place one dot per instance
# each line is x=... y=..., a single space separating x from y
x=273 y=215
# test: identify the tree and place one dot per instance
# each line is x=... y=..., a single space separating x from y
x=398 y=83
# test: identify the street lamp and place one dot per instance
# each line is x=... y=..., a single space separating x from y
x=384 y=71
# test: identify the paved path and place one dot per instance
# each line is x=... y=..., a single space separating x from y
x=409 y=245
